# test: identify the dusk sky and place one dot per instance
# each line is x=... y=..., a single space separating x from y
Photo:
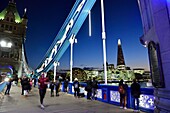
x=122 y=21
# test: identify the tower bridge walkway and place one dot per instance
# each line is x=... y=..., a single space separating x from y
x=65 y=103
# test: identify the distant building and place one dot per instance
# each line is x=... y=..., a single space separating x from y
x=139 y=70
x=120 y=57
x=12 y=36
x=110 y=67
x=120 y=72
x=79 y=73
x=93 y=72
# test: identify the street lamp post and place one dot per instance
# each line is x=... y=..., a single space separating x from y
x=89 y=23
x=72 y=40
x=104 y=42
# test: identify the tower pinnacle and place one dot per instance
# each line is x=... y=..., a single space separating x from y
x=25 y=10
x=120 y=57
x=119 y=42
x=25 y=15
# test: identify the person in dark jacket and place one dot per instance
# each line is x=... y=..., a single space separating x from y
x=52 y=88
x=135 y=92
x=21 y=80
x=76 y=86
x=8 y=87
x=65 y=85
x=25 y=85
x=94 y=88
x=57 y=86
x=89 y=88
x=123 y=94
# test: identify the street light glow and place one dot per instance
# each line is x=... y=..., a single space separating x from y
x=5 y=44
x=9 y=44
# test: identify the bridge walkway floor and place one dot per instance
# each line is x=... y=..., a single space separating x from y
x=65 y=103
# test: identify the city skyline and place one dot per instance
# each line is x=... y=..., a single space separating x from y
x=122 y=20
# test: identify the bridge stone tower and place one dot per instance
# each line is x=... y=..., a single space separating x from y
x=12 y=36
x=155 y=15
x=120 y=57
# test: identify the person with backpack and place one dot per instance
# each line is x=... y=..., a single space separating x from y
x=135 y=92
x=94 y=88
x=76 y=86
x=123 y=94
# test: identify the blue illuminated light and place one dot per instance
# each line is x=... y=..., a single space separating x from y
x=114 y=96
x=99 y=93
x=146 y=101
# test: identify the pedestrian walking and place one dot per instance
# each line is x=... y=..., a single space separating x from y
x=25 y=85
x=9 y=83
x=42 y=82
x=21 y=80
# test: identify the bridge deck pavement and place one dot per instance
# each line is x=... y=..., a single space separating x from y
x=65 y=103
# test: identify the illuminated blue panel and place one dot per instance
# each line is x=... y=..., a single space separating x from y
x=99 y=93
x=72 y=89
x=70 y=27
x=114 y=96
x=82 y=90
x=146 y=101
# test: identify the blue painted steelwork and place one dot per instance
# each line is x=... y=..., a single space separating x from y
x=110 y=94
x=2 y=86
x=70 y=27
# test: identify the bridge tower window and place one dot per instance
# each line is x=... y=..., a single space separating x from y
x=10 y=28
x=12 y=20
x=2 y=25
x=7 y=19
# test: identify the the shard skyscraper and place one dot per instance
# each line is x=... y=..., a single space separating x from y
x=120 y=57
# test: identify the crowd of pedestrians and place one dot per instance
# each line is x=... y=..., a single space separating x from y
x=91 y=89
